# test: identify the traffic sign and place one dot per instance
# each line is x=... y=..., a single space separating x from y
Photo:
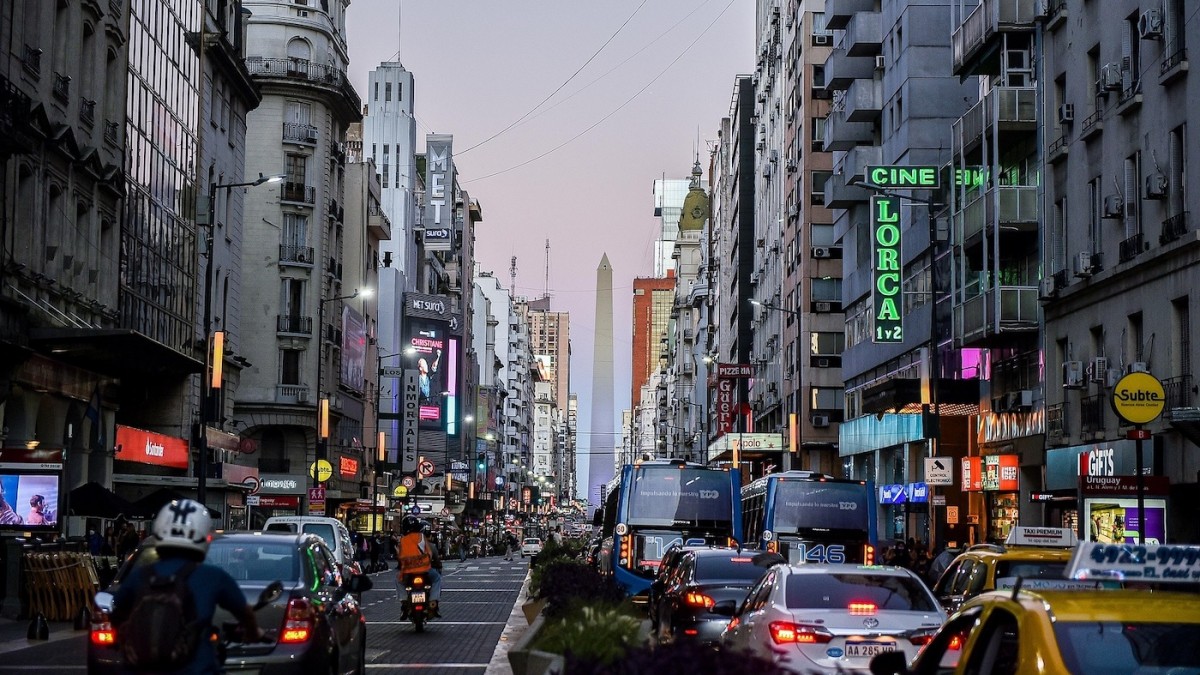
x=321 y=469
x=408 y=482
x=253 y=483
x=416 y=510
x=316 y=494
x=425 y=468
x=252 y=500
x=939 y=471
x=951 y=515
x=1138 y=398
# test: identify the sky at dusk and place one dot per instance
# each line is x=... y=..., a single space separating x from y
x=563 y=114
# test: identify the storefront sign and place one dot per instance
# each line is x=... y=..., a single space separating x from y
x=410 y=419
x=347 y=466
x=29 y=459
x=277 y=483
x=1124 y=485
x=147 y=447
x=725 y=414
x=1138 y=398
x=972 y=474
x=1001 y=473
x=735 y=370
x=278 y=501
x=439 y=182
x=1064 y=466
x=885 y=266
x=917 y=493
x=749 y=443
x=892 y=494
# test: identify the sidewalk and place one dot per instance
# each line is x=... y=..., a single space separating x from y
x=513 y=630
x=14 y=633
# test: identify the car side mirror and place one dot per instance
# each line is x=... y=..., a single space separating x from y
x=725 y=608
x=889 y=663
x=359 y=583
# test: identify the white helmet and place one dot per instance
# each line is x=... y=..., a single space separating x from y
x=184 y=524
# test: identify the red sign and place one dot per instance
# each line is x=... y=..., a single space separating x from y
x=279 y=501
x=972 y=474
x=725 y=410
x=348 y=466
x=1125 y=486
x=1002 y=473
x=147 y=447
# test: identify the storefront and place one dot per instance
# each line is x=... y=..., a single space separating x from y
x=277 y=495
x=1110 y=514
x=1067 y=468
x=1001 y=485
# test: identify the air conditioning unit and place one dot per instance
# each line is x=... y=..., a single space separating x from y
x=754 y=277
x=1020 y=400
x=312 y=134
x=1137 y=367
x=880 y=62
x=822 y=307
x=1114 y=206
x=1110 y=77
x=1072 y=374
x=822 y=362
x=1156 y=186
x=1048 y=290
x=1111 y=377
x=821 y=252
x=821 y=38
x=1066 y=113
x=1098 y=370
x=1150 y=25
x=820 y=421
x=1083 y=264
x=793 y=211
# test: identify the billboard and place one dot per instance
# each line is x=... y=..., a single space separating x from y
x=430 y=341
x=354 y=349
x=28 y=501
x=439 y=185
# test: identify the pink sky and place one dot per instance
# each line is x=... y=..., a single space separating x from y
x=481 y=65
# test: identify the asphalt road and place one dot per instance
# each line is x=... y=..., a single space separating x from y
x=480 y=617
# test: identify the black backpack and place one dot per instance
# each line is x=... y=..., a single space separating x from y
x=161 y=633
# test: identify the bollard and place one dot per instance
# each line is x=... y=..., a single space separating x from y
x=39 y=628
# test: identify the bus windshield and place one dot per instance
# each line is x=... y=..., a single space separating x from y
x=674 y=497
x=802 y=506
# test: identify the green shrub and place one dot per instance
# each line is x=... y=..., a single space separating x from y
x=593 y=634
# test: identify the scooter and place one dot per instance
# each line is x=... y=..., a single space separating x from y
x=417 y=587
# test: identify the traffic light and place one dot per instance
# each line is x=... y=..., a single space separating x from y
x=481 y=462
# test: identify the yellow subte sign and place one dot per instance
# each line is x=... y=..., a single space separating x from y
x=321 y=470
x=1139 y=398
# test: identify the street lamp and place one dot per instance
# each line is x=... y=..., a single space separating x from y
x=214 y=342
x=322 y=402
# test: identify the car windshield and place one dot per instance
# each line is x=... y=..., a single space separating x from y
x=533 y=541
x=838 y=591
x=739 y=568
x=1112 y=648
x=255 y=561
x=1007 y=572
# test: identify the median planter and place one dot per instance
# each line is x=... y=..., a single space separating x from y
x=533 y=608
x=525 y=660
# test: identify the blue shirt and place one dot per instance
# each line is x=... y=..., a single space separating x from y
x=211 y=587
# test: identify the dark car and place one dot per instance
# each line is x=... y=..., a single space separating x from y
x=315 y=625
x=698 y=580
x=666 y=567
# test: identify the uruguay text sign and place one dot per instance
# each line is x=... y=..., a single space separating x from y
x=885 y=265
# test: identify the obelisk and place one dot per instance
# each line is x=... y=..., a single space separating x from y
x=601 y=456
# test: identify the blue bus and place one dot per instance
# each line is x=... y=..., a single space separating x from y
x=810 y=517
x=660 y=503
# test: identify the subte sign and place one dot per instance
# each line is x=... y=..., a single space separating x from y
x=1139 y=398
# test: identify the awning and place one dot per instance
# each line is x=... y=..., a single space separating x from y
x=113 y=352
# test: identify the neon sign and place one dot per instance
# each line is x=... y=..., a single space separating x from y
x=885 y=265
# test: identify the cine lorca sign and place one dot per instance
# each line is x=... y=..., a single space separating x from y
x=885 y=264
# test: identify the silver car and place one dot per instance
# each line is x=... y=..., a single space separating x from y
x=833 y=618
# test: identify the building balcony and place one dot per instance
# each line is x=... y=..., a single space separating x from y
x=1002 y=109
x=303 y=71
x=378 y=224
x=996 y=313
x=839 y=195
x=296 y=255
x=972 y=40
x=1058 y=149
x=62 y=88
x=839 y=12
x=1012 y=208
x=864 y=100
x=293 y=325
x=1056 y=424
x=1173 y=228
x=1131 y=247
x=1179 y=392
x=15 y=119
x=298 y=193
x=291 y=394
x=842 y=69
x=1174 y=65
x=864 y=34
x=294 y=132
x=87 y=113
x=858 y=158
x=842 y=134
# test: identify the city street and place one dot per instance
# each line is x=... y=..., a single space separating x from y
x=479 y=610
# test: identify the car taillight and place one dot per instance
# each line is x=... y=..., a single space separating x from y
x=102 y=634
x=862 y=608
x=298 y=621
x=956 y=643
x=695 y=599
x=868 y=554
x=786 y=632
x=922 y=637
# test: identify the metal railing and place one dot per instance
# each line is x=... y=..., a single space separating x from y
x=31 y=62
x=295 y=132
x=1056 y=422
x=1092 y=123
x=1091 y=414
x=1131 y=247
x=1174 y=227
x=62 y=87
x=296 y=254
x=301 y=325
x=112 y=133
x=1178 y=391
x=87 y=112
x=1172 y=60
x=298 y=192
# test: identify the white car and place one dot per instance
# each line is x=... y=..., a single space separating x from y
x=832 y=618
x=531 y=546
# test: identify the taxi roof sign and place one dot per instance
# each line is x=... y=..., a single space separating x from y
x=1172 y=563
x=1055 y=537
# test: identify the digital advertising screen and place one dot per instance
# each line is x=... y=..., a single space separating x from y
x=431 y=359
x=1111 y=520
x=28 y=501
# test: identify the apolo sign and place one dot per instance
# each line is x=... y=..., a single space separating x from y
x=1138 y=398
x=885 y=265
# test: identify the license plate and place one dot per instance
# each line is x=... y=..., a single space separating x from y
x=418 y=596
x=868 y=649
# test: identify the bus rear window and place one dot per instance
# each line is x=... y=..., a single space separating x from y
x=805 y=505
x=667 y=496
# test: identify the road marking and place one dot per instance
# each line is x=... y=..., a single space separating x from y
x=427 y=666
x=440 y=622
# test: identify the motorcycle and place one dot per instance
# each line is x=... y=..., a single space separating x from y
x=417 y=587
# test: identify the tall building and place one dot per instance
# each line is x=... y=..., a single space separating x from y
x=550 y=338
x=602 y=458
x=653 y=299
x=308 y=305
x=668 y=208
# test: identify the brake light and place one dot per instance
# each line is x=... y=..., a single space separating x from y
x=298 y=621
x=418 y=581
x=102 y=634
x=956 y=643
x=862 y=608
x=695 y=599
x=786 y=632
x=921 y=638
x=868 y=554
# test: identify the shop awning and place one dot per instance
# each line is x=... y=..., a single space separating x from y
x=113 y=352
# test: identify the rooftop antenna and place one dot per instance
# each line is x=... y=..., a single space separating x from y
x=512 y=275
x=546 y=288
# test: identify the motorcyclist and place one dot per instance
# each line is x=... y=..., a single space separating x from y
x=183 y=530
x=416 y=554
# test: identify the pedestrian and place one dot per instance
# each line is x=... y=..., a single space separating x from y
x=508 y=546
x=376 y=545
x=462 y=548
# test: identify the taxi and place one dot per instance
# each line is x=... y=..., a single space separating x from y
x=1038 y=555
x=1077 y=632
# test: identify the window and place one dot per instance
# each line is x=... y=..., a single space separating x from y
x=1095 y=195
x=1132 y=190
x=826 y=289
x=1131 y=57
x=295 y=231
x=385 y=167
x=297 y=170
x=289 y=366
x=1058 y=236
x=1136 y=337
x=997 y=647
x=1178 y=168
x=387 y=91
x=826 y=344
x=1183 y=336
x=826 y=398
x=817 y=193
x=818 y=76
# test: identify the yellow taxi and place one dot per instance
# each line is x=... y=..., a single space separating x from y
x=1038 y=555
x=1074 y=632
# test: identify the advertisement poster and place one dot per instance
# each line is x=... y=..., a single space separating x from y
x=28 y=500
x=354 y=349
x=429 y=341
x=1111 y=520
